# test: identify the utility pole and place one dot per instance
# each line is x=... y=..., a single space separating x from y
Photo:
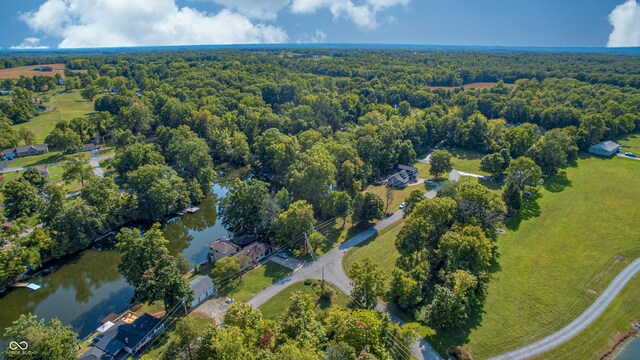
x=322 y=280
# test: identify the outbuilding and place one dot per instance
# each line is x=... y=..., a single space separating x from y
x=605 y=148
x=202 y=287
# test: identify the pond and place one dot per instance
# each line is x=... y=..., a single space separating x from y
x=89 y=287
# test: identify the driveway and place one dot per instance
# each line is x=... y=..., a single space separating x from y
x=290 y=262
x=627 y=157
x=330 y=264
x=581 y=322
x=95 y=164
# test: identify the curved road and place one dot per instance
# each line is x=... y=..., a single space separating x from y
x=331 y=264
x=581 y=322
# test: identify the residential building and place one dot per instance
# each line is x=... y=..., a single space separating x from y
x=405 y=175
x=128 y=335
x=605 y=148
x=28 y=150
x=203 y=287
x=222 y=248
x=43 y=170
x=252 y=254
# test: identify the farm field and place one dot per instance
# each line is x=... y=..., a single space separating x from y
x=276 y=305
x=561 y=255
x=64 y=106
x=16 y=72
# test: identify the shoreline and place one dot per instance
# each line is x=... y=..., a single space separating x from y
x=620 y=343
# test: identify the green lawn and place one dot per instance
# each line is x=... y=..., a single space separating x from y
x=466 y=160
x=380 y=249
x=630 y=143
x=65 y=106
x=602 y=335
x=48 y=158
x=556 y=261
x=254 y=281
x=276 y=305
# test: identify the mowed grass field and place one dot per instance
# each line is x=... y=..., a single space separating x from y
x=254 y=281
x=557 y=262
x=64 y=106
x=466 y=160
x=279 y=303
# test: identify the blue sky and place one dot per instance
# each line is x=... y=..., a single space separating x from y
x=96 y=23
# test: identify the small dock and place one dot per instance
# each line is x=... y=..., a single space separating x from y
x=192 y=210
x=30 y=286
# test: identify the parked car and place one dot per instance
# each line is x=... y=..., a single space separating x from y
x=403 y=205
x=389 y=213
x=229 y=301
x=283 y=255
x=630 y=154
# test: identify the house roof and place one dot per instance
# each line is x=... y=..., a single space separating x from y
x=244 y=239
x=95 y=354
x=407 y=168
x=8 y=151
x=133 y=334
x=200 y=285
x=39 y=147
x=398 y=178
x=110 y=345
x=606 y=145
x=254 y=250
x=223 y=247
x=41 y=168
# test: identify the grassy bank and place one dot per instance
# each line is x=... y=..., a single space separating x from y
x=254 y=281
x=277 y=304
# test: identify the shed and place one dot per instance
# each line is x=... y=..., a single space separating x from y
x=605 y=148
x=202 y=287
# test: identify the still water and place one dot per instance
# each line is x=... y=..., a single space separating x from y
x=631 y=351
x=89 y=287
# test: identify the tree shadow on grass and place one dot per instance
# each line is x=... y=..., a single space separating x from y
x=556 y=184
x=530 y=209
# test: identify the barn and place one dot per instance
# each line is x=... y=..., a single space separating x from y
x=605 y=148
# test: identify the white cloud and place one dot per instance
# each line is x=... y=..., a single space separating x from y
x=30 y=43
x=625 y=19
x=257 y=9
x=100 y=23
x=362 y=14
x=319 y=37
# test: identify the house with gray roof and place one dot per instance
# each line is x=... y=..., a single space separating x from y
x=203 y=287
x=605 y=148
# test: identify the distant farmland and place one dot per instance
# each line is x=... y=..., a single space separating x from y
x=28 y=71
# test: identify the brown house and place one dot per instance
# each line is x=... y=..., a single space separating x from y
x=43 y=170
x=222 y=248
x=252 y=254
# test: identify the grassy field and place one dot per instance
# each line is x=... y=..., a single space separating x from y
x=557 y=260
x=254 y=281
x=64 y=106
x=466 y=160
x=380 y=249
x=602 y=335
x=630 y=143
x=48 y=158
x=276 y=305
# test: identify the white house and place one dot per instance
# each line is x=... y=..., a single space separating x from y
x=202 y=287
x=605 y=148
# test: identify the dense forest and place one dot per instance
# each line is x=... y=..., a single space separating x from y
x=315 y=126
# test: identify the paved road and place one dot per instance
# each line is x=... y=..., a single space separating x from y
x=95 y=164
x=581 y=322
x=331 y=264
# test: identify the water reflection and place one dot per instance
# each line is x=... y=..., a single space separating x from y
x=89 y=287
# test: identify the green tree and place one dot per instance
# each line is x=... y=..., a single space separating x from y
x=495 y=164
x=64 y=139
x=134 y=156
x=406 y=291
x=336 y=204
x=52 y=340
x=77 y=168
x=300 y=323
x=293 y=223
x=163 y=281
x=512 y=197
x=159 y=190
x=368 y=284
x=90 y=92
x=414 y=198
x=523 y=171
x=519 y=139
x=467 y=248
x=447 y=310
x=27 y=136
x=440 y=162
x=225 y=268
x=367 y=208
x=32 y=175
x=310 y=177
x=242 y=207
x=20 y=198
